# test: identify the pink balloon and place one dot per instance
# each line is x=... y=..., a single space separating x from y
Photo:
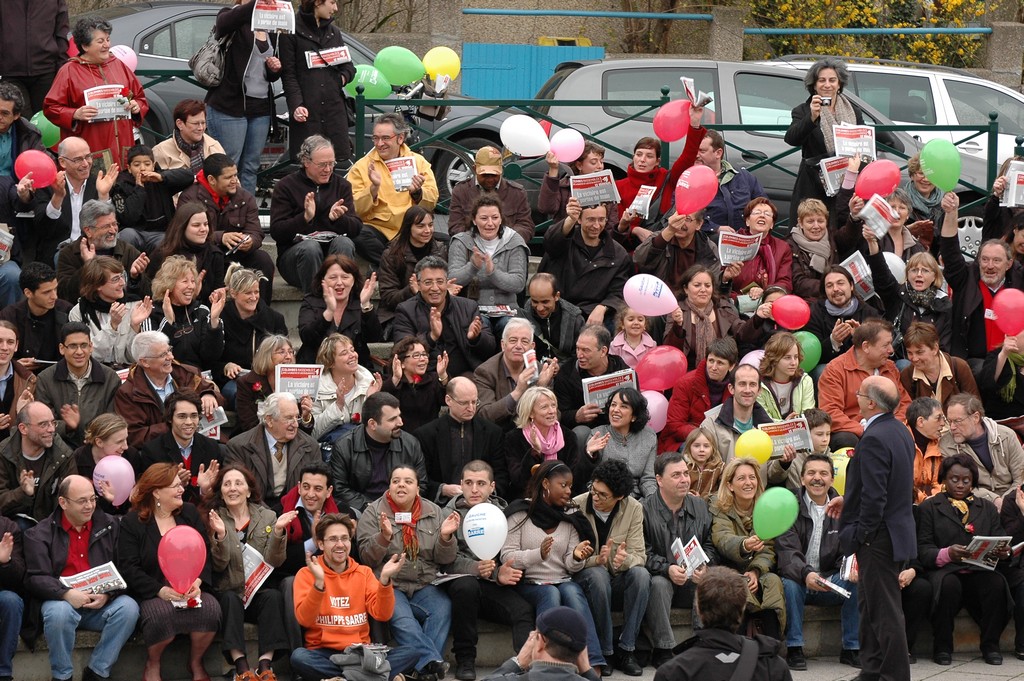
x=182 y=555
x=1008 y=305
x=661 y=368
x=878 y=177
x=791 y=312
x=39 y=163
x=753 y=358
x=119 y=473
x=696 y=188
x=567 y=145
x=672 y=121
x=657 y=407
x=649 y=295
x=127 y=56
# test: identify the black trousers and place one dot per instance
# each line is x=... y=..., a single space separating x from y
x=917 y=603
x=883 y=640
x=983 y=593
x=266 y=610
x=473 y=598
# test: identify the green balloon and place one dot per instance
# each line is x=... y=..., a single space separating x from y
x=774 y=513
x=811 y=347
x=940 y=163
x=50 y=132
x=399 y=65
x=375 y=85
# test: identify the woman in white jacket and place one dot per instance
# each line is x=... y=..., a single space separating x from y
x=344 y=386
x=113 y=320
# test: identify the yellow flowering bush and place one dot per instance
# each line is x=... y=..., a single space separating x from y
x=949 y=50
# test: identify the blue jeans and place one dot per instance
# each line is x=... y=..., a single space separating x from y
x=543 y=597
x=419 y=626
x=243 y=140
x=229 y=390
x=10 y=290
x=797 y=595
x=631 y=589
x=116 y=622
x=314 y=664
x=11 y=607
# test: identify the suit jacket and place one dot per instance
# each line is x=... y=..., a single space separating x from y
x=47 y=233
x=443 y=467
x=165 y=449
x=880 y=489
x=250 y=449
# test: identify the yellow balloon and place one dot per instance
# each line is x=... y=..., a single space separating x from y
x=840 y=460
x=755 y=443
x=442 y=61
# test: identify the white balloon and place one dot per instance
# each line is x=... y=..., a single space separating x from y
x=523 y=135
x=485 y=529
x=897 y=267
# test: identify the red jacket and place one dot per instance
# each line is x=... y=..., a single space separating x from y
x=772 y=266
x=630 y=185
x=690 y=399
x=67 y=95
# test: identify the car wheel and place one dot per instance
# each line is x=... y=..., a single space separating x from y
x=452 y=163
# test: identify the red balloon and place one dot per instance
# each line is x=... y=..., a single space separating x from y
x=696 y=188
x=1009 y=308
x=661 y=368
x=672 y=121
x=546 y=126
x=791 y=312
x=39 y=163
x=182 y=555
x=878 y=177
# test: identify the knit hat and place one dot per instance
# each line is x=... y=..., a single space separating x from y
x=488 y=161
x=564 y=626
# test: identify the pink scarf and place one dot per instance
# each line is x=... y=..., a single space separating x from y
x=550 y=445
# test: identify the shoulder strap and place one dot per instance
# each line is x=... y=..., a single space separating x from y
x=748 y=660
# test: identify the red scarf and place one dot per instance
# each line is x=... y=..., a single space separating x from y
x=993 y=334
x=410 y=541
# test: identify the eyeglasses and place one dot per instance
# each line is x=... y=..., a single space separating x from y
x=958 y=422
x=116 y=279
x=601 y=496
x=860 y=394
x=84 y=501
x=283 y=351
x=322 y=165
x=762 y=214
x=77 y=160
x=187 y=417
x=46 y=425
x=6 y=113
x=382 y=138
x=467 y=403
x=337 y=540
x=196 y=124
x=287 y=419
x=166 y=353
x=75 y=347
x=416 y=355
x=431 y=283
x=919 y=270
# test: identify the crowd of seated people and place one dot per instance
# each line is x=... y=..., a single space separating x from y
x=356 y=493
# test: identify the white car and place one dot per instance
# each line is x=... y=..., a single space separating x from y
x=929 y=95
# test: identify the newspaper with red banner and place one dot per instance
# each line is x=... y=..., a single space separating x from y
x=333 y=56
x=854 y=140
x=698 y=98
x=642 y=202
x=594 y=189
x=982 y=551
x=298 y=379
x=878 y=215
x=833 y=169
x=273 y=16
x=402 y=170
x=793 y=432
x=736 y=247
x=858 y=268
x=101 y=579
x=1013 y=194
x=256 y=572
x=597 y=389
x=109 y=102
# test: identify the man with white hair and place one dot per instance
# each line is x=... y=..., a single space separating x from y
x=502 y=380
x=151 y=380
x=99 y=237
x=276 y=451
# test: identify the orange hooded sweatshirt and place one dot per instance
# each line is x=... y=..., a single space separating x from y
x=338 y=616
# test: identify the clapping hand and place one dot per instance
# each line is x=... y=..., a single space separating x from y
x=369 y=286
x=450 y=525
x=27 y=482
x=206 y=476
x=583 y=551
x=217 y=525
x=392 y=567
x=284 y=520
x=475 y=328
x=6 y=548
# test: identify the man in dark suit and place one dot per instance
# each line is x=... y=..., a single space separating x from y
x=276 y=451
x=458 y=437
x=57 y=207
x=878 y=526
x=196 y=455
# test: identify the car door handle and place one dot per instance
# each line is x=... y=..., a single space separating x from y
x=754 y=156
x=971 y=147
